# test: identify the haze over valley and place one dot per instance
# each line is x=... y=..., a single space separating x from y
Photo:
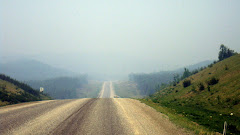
x=119 y=67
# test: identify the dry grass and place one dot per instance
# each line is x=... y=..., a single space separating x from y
x=10 y=87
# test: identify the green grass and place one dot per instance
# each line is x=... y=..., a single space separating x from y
x=212 y=106
x=126 y=89
x=178 y=119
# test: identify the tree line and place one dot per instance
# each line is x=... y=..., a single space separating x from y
x=61 y=87
x=148 y=83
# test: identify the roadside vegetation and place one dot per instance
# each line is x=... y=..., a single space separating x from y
x=178 y=119
x=13 y=91
x=204 y=99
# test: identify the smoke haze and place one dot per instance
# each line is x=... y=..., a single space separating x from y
x=117 y=37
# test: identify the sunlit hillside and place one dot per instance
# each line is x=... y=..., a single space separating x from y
x=13 y=91
x=210 y=97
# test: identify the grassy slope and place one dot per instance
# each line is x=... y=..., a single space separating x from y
x=15 y=92
x=126 y=89
x=209 y=108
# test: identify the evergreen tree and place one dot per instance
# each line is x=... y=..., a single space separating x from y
x=186 y=73
x=225 y=52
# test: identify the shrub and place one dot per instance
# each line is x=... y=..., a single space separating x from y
x=155 y=100
x=212 y=81
x=208 y=87
x=235 y=101
x=201 y=86
x=210 y=65
x=186 y=83
x=226 y=67
x=228 y=99
x=193 y=89
x=195 y=71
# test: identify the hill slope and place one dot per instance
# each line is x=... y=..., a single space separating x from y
x=12 y=92
x=25 y=70
x=212 y=97
x=147 y=83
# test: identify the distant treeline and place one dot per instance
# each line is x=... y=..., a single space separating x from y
x=152 y=82
x=61 y=87
x=148 y=83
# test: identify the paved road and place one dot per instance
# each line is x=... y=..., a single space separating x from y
x=107 y=90
x=99 y=116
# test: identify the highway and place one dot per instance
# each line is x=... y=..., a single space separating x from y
x=107 y=90
x=98 y=116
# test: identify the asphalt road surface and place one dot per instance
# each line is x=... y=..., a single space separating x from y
x=98 y=116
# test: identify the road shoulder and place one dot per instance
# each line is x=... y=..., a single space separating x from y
x=146 y=120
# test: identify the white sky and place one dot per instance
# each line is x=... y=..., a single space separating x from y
x=118 y=36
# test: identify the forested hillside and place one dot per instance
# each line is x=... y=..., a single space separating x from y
x=13 y=91
x=61 y=87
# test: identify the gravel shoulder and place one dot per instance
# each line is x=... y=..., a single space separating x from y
x=146 y=120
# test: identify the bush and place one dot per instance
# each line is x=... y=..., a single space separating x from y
x=186 y=83
x=195 y=71
x=155 y=100
x=226 y=67
x=210 y=65
x=193 y=89
x=235 y=101
x=212 y=81
x=201 y=86
x=208 y=87
x=228 y=99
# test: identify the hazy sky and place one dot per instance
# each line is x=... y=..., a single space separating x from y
x=118 y=36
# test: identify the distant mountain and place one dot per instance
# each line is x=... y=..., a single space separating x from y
x=25 y=70
x=196 y=66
